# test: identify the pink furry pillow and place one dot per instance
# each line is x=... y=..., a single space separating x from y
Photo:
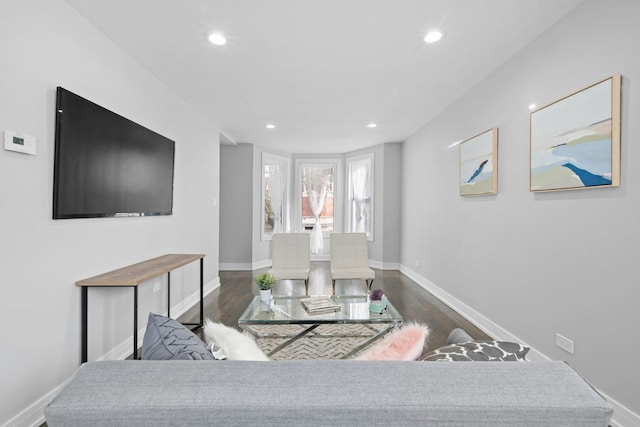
x=405 y=343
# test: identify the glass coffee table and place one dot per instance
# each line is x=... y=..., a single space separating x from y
x=290 y=311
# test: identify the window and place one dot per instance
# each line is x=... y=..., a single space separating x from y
x=360 y=195
x=275 y=176
x=317 y=196
x=317 y=205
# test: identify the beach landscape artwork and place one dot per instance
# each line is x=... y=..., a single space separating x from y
x=575 y=142
x=479 y=163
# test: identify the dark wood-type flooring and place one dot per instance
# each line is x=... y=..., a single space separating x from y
x=237 y=288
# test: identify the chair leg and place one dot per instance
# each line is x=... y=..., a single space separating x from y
x=369 y=283
x=306 y=286
x=334 y=286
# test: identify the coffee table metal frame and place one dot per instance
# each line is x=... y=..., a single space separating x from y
x=290 y=311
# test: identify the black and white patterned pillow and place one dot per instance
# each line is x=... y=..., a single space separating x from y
x=484 y=351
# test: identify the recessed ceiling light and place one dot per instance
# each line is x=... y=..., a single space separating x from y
x=217 y=39
x=433 y=36
x=371 y=125
x=270 y=126
x=532 y=106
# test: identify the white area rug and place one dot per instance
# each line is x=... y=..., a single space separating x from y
x=324 y=342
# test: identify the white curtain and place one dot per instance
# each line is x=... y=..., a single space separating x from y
x=360 y=179
x=316 y=186
x=277 y=188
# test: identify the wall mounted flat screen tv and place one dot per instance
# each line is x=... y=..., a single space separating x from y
x=106 y=165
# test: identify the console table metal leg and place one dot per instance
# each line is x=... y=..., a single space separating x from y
x=201 y=292
x=135 y=322
x=83 y=324
x=169 y=294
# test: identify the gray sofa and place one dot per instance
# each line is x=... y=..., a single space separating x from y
x=327 y=393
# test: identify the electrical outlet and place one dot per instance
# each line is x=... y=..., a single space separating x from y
x=156 y=287
x=564 y=343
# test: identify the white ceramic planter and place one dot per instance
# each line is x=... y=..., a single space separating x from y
x=265 y=295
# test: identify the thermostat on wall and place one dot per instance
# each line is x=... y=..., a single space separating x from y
x=20 y=142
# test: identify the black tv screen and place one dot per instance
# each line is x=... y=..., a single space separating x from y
x=107 y=165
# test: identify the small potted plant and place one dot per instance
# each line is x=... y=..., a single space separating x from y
x=265 y=281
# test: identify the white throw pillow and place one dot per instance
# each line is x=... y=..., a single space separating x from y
x=234 y=344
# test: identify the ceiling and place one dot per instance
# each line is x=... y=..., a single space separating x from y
x=320 y=71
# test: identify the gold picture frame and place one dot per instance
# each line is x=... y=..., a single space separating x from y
x=479 y=164
x=575 y=142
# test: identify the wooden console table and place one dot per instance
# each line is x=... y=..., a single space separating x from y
x=132 y=276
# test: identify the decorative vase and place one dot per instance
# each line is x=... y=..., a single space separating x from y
x=265 y=295
x=378 y=306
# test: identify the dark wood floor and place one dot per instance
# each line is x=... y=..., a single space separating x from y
x=237 y=289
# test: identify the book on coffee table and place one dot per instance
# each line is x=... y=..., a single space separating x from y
x=319 y=305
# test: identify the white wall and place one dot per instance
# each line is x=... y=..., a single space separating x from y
x=236 y=208
x=241 y=191
x=539 y=264
x=44 y=44
x=391 y=208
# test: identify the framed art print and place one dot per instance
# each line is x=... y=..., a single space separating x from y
x=575 y=141
x=479 y=164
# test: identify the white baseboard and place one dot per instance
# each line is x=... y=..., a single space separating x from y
x=244 y=266
x=384 y=265
x=622 y=416
x=123 y=350
x=261 y=264
x=235 y=266
x=267 y=263
x=33 y=416
x=478 y=319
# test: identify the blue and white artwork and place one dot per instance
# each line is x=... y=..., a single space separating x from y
x=571 y=141
x=478 y=174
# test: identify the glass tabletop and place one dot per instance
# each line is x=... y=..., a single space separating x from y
x=288 y=310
